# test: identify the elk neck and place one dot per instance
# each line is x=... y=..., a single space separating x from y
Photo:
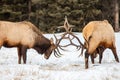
x=42 y=44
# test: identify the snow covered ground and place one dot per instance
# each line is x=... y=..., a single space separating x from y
x=67 y=67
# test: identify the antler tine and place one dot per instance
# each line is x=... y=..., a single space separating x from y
x=82 y=51
x=59 y=51
x=67 y=26
x=56 y=40
x=56 y=52
x=77 y=39
x=56 y=55
x=61 y=38
x=83 y=47
x=71 y=43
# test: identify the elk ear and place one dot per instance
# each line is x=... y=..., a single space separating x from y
x=51 y=41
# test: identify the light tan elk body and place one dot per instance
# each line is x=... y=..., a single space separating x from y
x=24 y=35
x=96 y=34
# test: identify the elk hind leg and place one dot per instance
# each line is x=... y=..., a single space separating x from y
x=92 y=58
x=115 y=54
x=100 y=57
x=101 y=50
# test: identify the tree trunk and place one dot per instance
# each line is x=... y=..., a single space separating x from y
x=116 y=16
x=29 y=8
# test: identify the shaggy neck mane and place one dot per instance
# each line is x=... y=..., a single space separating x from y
x=42 y=44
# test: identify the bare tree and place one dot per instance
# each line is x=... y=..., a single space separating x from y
x=116 y=16
x=29 y=8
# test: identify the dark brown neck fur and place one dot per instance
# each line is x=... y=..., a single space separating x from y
x=42 y=44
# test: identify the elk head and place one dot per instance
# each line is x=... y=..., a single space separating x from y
x=50 y=49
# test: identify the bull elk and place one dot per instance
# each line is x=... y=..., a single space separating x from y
x=24 y=35
x=96 y=34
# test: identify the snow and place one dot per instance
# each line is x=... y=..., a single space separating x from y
x=68 y=67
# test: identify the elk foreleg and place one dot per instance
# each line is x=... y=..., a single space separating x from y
x=19 y=55
x=23 y=51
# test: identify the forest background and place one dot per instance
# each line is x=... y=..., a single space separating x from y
x=47 y=15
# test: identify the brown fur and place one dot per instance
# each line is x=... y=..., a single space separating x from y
x=24 y=35
x=98 y=33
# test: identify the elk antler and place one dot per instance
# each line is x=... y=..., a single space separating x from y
x=69 y=32
x=69 y=35
x=82 y=49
